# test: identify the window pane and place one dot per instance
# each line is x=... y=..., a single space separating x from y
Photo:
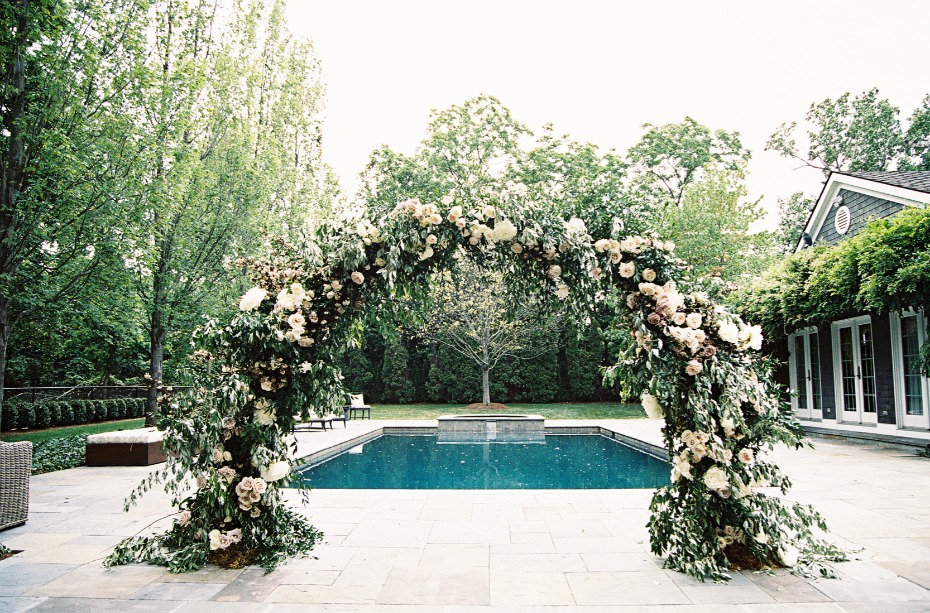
x=867 y=359
x=847 y=369
x=910 y=345
x=800 y=382
x=817 y=403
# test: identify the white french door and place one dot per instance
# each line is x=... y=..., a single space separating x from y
x=854 y=371
x=804 y=373
x=912 y=389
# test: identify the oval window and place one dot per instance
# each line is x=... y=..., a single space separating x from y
x=841 y=220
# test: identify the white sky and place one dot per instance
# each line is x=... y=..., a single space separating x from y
x=599 y=70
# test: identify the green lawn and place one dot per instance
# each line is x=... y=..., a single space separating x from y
x=36 y=436
x=591 y=410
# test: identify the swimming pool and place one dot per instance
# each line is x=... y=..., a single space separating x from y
x=555 y=461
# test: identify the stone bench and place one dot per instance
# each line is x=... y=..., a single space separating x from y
x=140 y=447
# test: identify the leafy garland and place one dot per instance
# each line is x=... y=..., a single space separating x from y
x=691 y=359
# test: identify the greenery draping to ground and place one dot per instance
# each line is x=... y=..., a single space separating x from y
x=884 y=268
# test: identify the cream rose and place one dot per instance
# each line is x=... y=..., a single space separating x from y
x=651 y=404
x=649 y=275
x=554 y=271
x=746 y=456
x=627 y=270
x=716 y=479
x=562 y=291
x=504 y=230
x=252 y=298
x=357 y=277
x=275 y=471
x=694 y=368
x=694 y=320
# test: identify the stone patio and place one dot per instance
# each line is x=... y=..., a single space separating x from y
x=478 y=551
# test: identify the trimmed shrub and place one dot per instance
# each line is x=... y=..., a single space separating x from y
x=79 y=411
x=66 y=415
x=27 y=415
x=100 y=410
x=10 y=417
x=43 y=417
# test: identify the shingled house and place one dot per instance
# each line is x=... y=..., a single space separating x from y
x=860 y=370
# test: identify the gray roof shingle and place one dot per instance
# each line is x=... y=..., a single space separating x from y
x=919 y=181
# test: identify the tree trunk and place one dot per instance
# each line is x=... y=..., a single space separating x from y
x=156 y=367
x=5 y=327
x=485 y=385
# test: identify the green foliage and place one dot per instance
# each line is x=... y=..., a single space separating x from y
x=917 y=140
x=793 y=213
x=669 y=158
x=395 y=373
x=860 y=134
x=711 y=227
x=885 y=267
x=58 y=454
x=45 y=414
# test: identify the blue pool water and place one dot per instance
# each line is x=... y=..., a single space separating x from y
x=422 y=462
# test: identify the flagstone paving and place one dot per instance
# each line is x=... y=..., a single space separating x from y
x=478 y=551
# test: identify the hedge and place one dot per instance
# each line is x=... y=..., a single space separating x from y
x=19 y=415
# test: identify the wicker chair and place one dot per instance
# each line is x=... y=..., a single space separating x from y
x=15 y=468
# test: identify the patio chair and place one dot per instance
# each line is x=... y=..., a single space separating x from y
x=309 y=423
x=15 y=469
x=357 y=406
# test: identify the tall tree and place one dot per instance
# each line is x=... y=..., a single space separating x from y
x=671 y=157
x=473 y=316
x=467 y=152
x=68 y=149
x=793 y=213
x=916 y=154
x=578 y=180
x=230 y=102
x=711 y=228
x=858 y=134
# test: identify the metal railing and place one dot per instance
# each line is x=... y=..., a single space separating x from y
x=78 y=392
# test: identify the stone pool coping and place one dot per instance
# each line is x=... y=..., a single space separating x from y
x=423 y=427
x=477 y=551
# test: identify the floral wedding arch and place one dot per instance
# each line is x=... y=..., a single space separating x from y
x=691 y=360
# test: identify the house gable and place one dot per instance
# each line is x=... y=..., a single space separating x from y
x=867 y=196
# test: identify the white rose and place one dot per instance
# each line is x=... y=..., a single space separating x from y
x=616 y=256
x=252 y=298
x=554 y=271
x=276 y=471
x=296 y=320
x=602 y=245
x=460 y=223
x=357 y=278
x=729 y=332
x=337 y=286
x=679 y=319
x=214 y=539
x=264 y=417
x=435 y=218
x=562 y=291
x=670 y=246
x=653 y=409
x=504 y=230
x=694 y=368
x=259 y=485
x=184 y=517
x=447 y=200
x=575 y=226
x=788 y=555
x=746 y=456
x=305 y=341
x=489 y=211
x=627 y=270
x=431 y=239
x=716 y=479
x=516 y=248
x=694 y=320
x=649 y=275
